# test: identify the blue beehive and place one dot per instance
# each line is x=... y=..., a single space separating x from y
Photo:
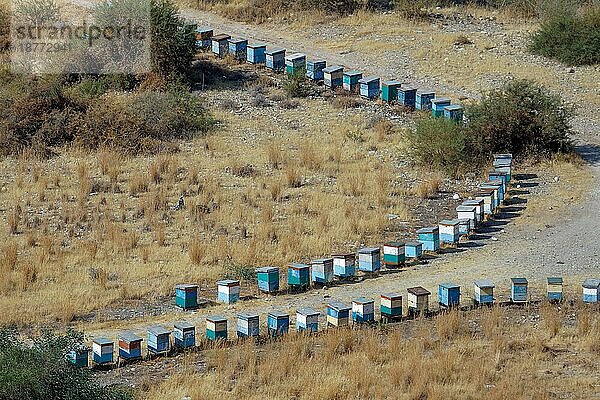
x=488 y=196
x=484 y=292
x=307 y=319
x=184 y=335
x=295 y=64
x=555 y=289
x=407 y=96
x=363 y=310
x=275 y=59
x=591 y=290
x=130 y=346
x=248 y=325
x=518 y=292
x=437 y=106
x=500 y=188
x=256 y=53
x=369 y=87
x=389 y=90
x=503 y=163
x=159 y=340
x=220 y=45
x=449 y=295
x=322 y=270
x=413 y=249
x=268 y=279
x=369 y=259
x=344 y=265
x=449 y=231
x=79 y=356
x=278 y=323
x=216 y=327
x=333 y=76
x=186 y=296
x=393 y=254
x=468 y=212
x=237 y=48
x=423 y=100
x=203 y=37
x=479 y=209
x=391 y=305
x=314 y=69
x=350 y=81
x=338 y=314
x=102 y=351
x=499 y=176
x=298 y=276
x=228 y=291
x=454 y=112
x=464 y=226
x=495 y=195
x=430 y=237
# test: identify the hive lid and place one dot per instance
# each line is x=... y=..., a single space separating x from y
x=519 y=280
x=183 y=325
x=102 y=341
x=368 y=250
x=228 y=282
x=368 y=79
x=344 y=255
x=298 y=266
x=395 y=244
x=276 y=50
x=266 y=269
x=278 y=314
x=248 y=315
x=449 y=285
x=316 y=61
x=256 y=45
x=498 y=156
x=555 y=280
x=333 y=68
x=295 y=56
x=307 y=311
x=391 y=296
x=238 y=40
x=352 y=73
x=159 y=330
x=428 y=229
x=186 y=286
x=129 y=337
x=216 y=318
x=413 y=244
x=339 y=306
x=362 y=300
x=322 y=260
x=393 y=82
x=475 y=202
x=453 y=107
x=425 y=92
x=202 y=29
x=591 y=283
x=441 y=100
x=463 y=220
x=419 y=291
x=497 y=173
x=466 y=208
x=502 y=162
x=218 y=38
x=484 y=283
x=406 y=88
x=450 y=222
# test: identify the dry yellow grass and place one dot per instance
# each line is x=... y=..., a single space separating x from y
x=493 y=353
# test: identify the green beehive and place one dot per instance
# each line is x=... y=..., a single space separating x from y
x=389 y=90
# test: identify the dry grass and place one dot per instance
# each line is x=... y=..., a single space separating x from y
x=456 y=355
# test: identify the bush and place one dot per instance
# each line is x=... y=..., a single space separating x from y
x=40 y=371
x=4 y=28
x=296 y=85
x=569 y=37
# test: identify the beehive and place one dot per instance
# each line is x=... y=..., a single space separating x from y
x=102 y=351
x=216 y=327
x=203 y=37
x=418 y=300
x=498 y=192
x=79 y=356
x=322 y=270
x=369 y=259
x=484 y=292
x=591 y=290
x=499 y=176
x=518 y=292
x=363 y=310
x=344 y=265
x=184 y=335
x=449 y=295
x=413 y=249
x=350 y=81
x=338 y=314
x=278 y=323
x=333 y=76
x=430 y=237
x=220 y=45
x=314 y=69
x=295 y=64
x=268 y=279
x=369 y=87
x=393 y=254
x=503 y=163
x=479 y=209
x=389 y=90
x=256 y=54
x=186 y=296
x=449 y=231
x=237 y=48
x=407 y=96
x=487 y=196
x=159 y=340
x=454 y=112
x=555 y=289
x=468 y=212
x=275 y=59
x=307 y=319
x=130 y=346
x=464 y=226
x=298 y=276
x=248 y=325
x=423 y=100
x=437 y=106
x=228 y=291
x=391 y=305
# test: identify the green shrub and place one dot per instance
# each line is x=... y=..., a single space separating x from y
x=296 y=85
x=569 y=37
x=40 y=370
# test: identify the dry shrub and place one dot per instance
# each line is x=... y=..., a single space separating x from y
x=27 y=277
x=110 y=163
x=428 y=188
x=275 y=154
x=10 y=255
x=345 y=100
x=275 y=189
x=448 y=324
x=310 y=156
x=552 y=320
x=352 y=183
x=138 y=184
x=383 y=129
x=12 y=219
x=159 y=234
x=197 y=252
x=145 y=254
x=292 y=176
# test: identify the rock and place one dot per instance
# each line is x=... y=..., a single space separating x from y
x=494 y=238
x=456 y=196
x=556 y=179
x=570 y=70
x=392 y=216
x=518 y=186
